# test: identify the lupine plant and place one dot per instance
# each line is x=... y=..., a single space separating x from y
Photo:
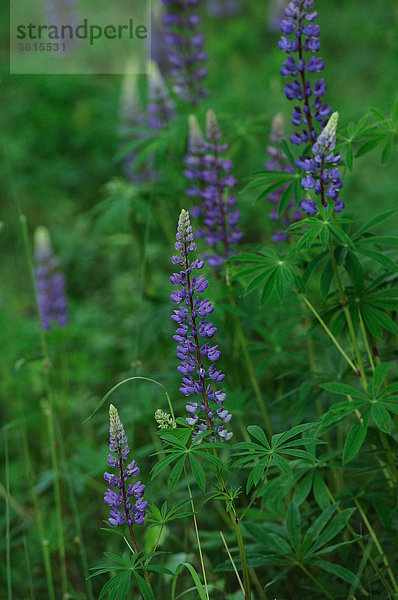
x=253 y=453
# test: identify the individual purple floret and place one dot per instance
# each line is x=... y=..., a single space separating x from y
x=119 y=496
x=278 y=162
x=50 y=283
x=211 y=179
x=185 y=49
x=325 y=181
x=301 y=35
x=160 y=106
x=197 y=359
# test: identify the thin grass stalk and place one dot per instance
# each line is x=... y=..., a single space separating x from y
x=197 y=534
x=28 y=569
x=314 y=579
x=39 y=520
x=8 y=531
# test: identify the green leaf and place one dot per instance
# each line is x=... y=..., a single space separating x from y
x=303 y=488
x=176 y=472
x=293 y=521
x=259 y=469
x=344 y=390
x=381 y=417
x=333 y=528
x=282 y=464
x=288 y=152
x=379 y=375
x=379 y=218
x=285 y=199
x=369 y=145
x=117 y=587
x=376 y=319
x=338 y=412
x=280 y=438
x=387 y=150
x=348 y=156
x=326 y=279
x=259 y=435
x=320 y=491
x=355 y=271
x=197 y=471
x=268 y=287
x=338 y=571
x=199 y=587
x=144 y=588
x=394 y=114
x=318 y=525
x=379 y=257
x=163 y=464
x=355 y=439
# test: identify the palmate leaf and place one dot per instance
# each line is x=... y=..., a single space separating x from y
x=338 y=571
x=197 y=471
x=117 y=587
x=376 y=320
x=381 y=417
x=379 y=218
x=293 y=522
x=379 y=375
x=320 y=491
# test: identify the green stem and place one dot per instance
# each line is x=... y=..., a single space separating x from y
x=39 y=520
x=330 y=334
x=8 y=533
x=365 y=339
x=346 y=310
x=377 y=544
x=197 y=534
x=246 y=580
x=358 y=539
x=50 y=420
x=314 y=579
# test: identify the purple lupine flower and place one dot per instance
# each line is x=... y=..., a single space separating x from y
x=160 y=106
x=205 y=409
x=119 y=496
x=278 y=162
x=59 y=13
x=211 y=177
x=322 y=174
x=50 y=283
x=301 y=35
x=223 y=8
x=185 y=49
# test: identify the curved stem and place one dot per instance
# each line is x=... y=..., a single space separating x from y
x=330 y=334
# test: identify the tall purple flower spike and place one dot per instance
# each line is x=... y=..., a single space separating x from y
x=197 y=359
x=212 y=180
x=119 y=496
x=301 y=36
x=325 y=182
x=278 y=162
x=160 y=106
x=50 y=283
x=185 y=49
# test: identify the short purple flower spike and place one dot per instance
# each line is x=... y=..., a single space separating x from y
x=211 y=180
x=301 y=36
x=278 y=162
x=50 y=283
x=197 y=358
x=120 y=493
x=185 y=49
x=324 y=181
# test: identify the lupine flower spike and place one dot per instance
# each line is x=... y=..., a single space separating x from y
x=160 y=106
x=185 y=45
x=164 y=420
x=278 y=162
x=213 y=179
x=199 y=374
x=325 y=183
x=301 y=36
x=50 y=283
x=119 y=496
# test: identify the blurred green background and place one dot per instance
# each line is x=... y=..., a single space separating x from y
x=59 y=142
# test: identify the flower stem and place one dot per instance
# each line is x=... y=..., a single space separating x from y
x=377 y=544
x=246 y=580
x=314 y=579
x=330 y=334
x=344 y=302
x=197 y=534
